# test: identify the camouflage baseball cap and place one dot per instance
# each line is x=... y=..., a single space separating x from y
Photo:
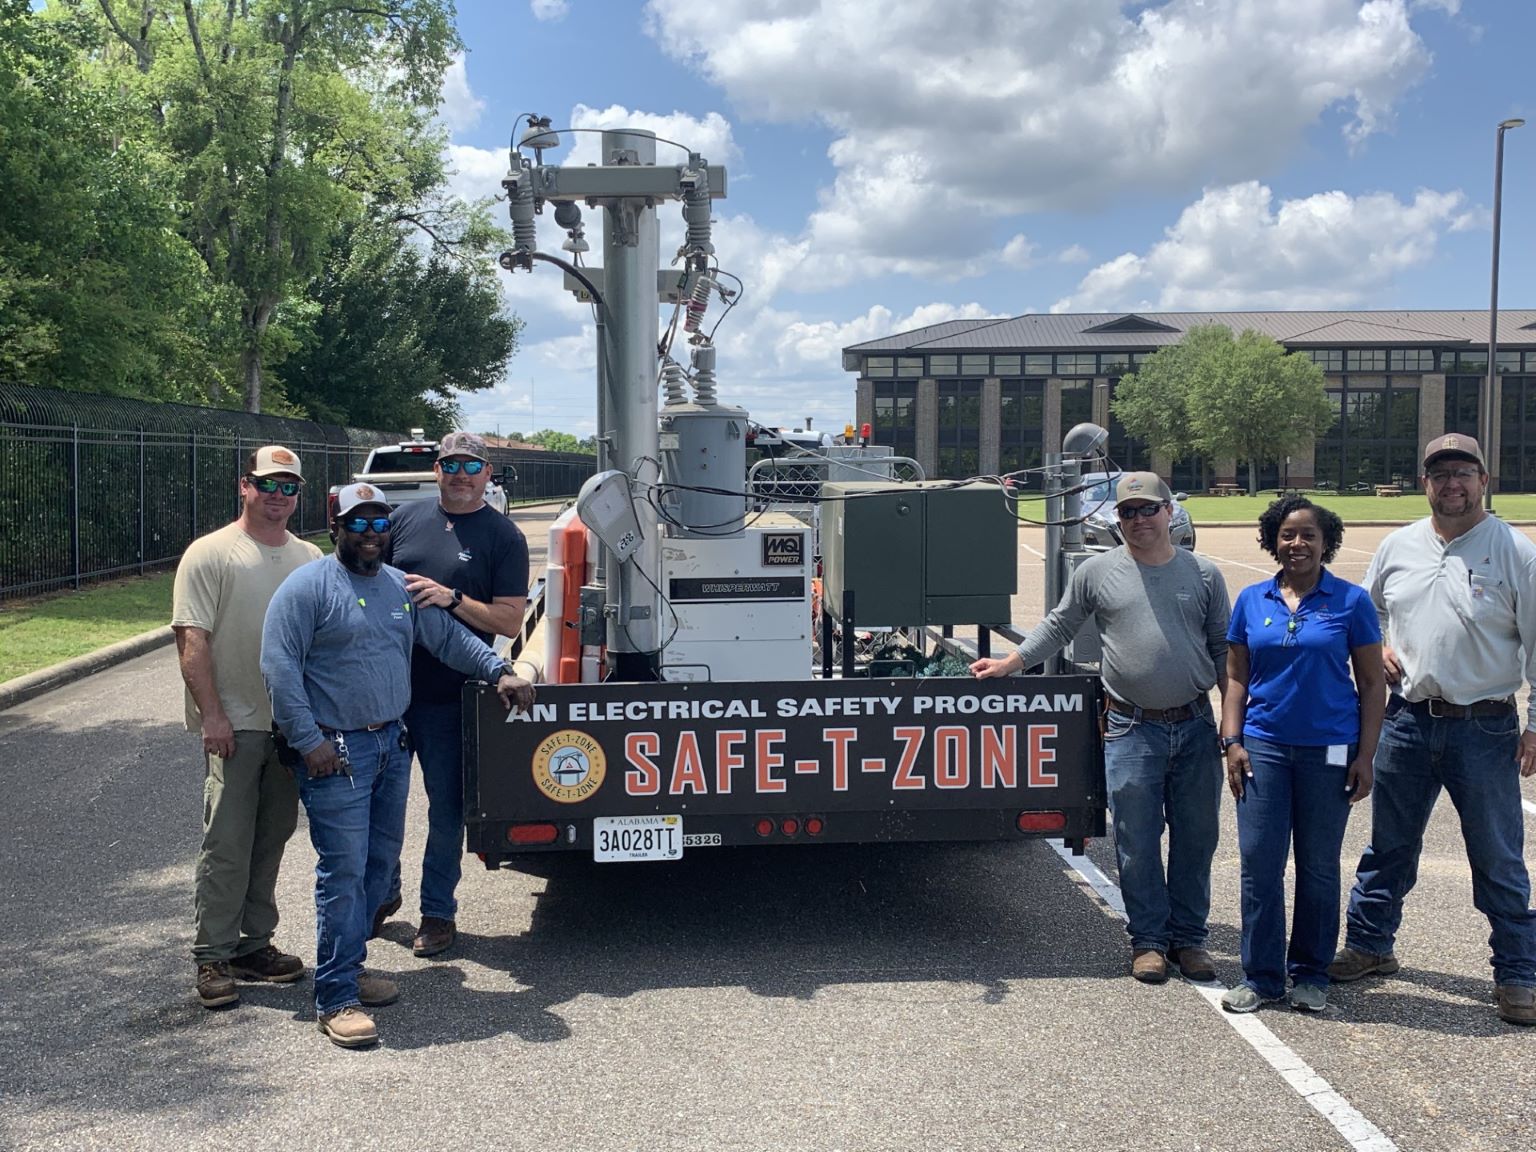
x=462 y=444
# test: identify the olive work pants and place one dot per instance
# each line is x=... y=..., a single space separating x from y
x=250 y=809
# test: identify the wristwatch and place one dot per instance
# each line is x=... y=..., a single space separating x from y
x=458 y=598
x=1228 y=741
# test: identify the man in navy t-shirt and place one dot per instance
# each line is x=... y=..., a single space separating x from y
x=462 y=555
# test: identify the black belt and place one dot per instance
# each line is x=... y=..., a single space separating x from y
x=1444 y=710
x=1164 y=715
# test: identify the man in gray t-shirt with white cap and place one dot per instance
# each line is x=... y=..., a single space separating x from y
x=1162 y=615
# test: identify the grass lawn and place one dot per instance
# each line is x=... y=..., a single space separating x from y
x=45 y=630
x=1409 y=506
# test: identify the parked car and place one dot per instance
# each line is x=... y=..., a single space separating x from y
x=1101 y=527
x=403 y=472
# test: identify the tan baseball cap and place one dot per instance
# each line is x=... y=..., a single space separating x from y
x=274 y=460
x=463 y=444
x=1454 y=444
x=1141 y=486
x=356 y=495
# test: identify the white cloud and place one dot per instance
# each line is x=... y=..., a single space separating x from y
x=1074 y=254
x=460 y=108
x=1234 y=248
x=475 y=173
x=946 y=115
x=709 y=136
x=549 y=9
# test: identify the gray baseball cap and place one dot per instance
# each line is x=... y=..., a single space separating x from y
x=1141 y=486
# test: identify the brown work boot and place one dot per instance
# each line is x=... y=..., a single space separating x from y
x=1516 y=1002
x=351 y=1027
x=436 y=935
x=267 y=964
x=1149 y=966
x=215 y=986
x=386 y=910
x=1351 y=964
x=376 y=991
x=1193 y=963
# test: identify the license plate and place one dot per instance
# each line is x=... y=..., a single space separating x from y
x=624 y=838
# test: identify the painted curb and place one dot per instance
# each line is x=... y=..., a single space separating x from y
x=33 y=684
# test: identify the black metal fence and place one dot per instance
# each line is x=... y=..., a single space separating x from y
x=97 y=486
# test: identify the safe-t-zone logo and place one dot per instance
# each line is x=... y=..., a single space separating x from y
x=783 y=549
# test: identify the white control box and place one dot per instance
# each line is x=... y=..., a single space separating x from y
x=742 y=603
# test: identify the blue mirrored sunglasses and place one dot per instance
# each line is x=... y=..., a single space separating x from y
x=361 y=524
x=269 y=485
x=471 y=467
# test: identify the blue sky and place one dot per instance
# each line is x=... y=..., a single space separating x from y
x=899 y=162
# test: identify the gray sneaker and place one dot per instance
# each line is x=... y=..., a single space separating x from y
x=1308 y=997
x=1244 y=998
x=1352 y=964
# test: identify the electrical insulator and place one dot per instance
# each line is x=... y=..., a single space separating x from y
x=520 y=207
x=698 y=301
x=672 y=382
x=696 y=207
x=704 y=374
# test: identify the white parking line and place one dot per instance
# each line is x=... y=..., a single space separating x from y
x=1528 y=806
x=1238 y=564
x=1362 y=1135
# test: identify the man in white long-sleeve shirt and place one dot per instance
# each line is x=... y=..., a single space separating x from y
x=1456 y=593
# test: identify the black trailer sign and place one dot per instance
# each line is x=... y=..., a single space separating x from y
x=725 y=758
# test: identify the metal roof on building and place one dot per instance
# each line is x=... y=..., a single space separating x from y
x=1066 y=331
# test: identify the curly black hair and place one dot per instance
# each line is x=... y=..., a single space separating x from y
x=1328 y=523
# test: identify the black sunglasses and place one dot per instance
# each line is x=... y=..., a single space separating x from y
x=471 y=467
x=269 y=485
x=361 y=524
x=1145 y=511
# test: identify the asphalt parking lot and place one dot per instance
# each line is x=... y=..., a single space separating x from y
x=894 y=997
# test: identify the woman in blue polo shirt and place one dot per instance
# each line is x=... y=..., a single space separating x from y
x=1298 y=741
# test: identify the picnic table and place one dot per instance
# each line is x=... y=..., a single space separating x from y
x=1226 y=489
x=1389 y=489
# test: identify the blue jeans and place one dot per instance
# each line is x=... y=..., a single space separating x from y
x=356 y=824
x=1159 y=771
x=1295 y=795
x=1474 y=761
x=437 y=733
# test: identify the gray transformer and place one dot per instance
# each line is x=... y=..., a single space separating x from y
x=704 y=446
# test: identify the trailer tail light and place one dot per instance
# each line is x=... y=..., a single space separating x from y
x=1042 y=821
x=790 y=826
x=815 y=825
x=533 y=833
x=765 y=827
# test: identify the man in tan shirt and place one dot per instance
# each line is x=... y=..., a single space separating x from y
x=250 y=801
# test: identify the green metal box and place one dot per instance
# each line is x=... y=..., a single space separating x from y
x=930 y=553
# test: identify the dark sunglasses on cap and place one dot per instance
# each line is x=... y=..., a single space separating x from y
x=270 y=484
x=1145 y=511
x=361 y=524
x=471 y=467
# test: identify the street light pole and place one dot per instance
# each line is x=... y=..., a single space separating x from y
x=1486 y=425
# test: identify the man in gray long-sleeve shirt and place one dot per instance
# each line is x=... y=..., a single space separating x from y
x=1162 y=615
x=336 y=657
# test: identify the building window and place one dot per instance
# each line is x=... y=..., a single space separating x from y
x=1328 y=359
x=1411 y=360
x=1009 y=365
x=1375 y=437
x=1468 y=362
x=876 y=367
x=1461 y=403
x=1365 y=360
x=1507 y=362
x=1126 y=452
x=975 y=365
x=1517 y=434
x=1115 y=363
x=1038 y=364
x=943 y=365
x=959 y=430
x=1022 y=426
x=1076 y=364
x=1076 y=405
x=896 y=415
x=909 y=367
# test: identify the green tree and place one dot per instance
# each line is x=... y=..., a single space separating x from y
x=393 y=334
x=1222 y=396
x=286 y=119
x=554 y=441
x=97 y=289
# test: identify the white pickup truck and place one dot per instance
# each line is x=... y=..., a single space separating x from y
x=403 y=472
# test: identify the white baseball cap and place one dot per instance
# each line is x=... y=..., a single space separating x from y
x=274 y=460
x=356 y=495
